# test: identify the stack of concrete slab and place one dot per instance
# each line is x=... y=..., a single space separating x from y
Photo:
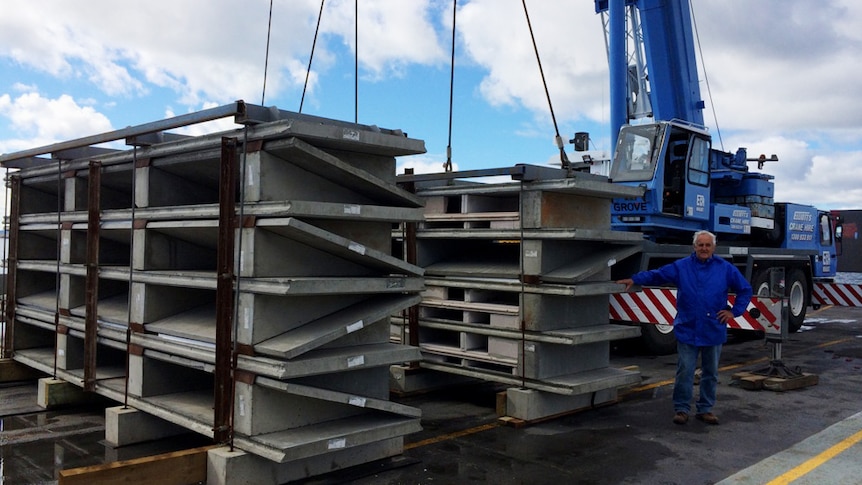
x=517 y=277
x=122 y=255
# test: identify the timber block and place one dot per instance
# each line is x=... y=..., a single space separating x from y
x=749 y=381
x=790 y=383
x=755 y=382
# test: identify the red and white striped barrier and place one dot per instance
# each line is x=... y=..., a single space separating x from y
x=838 y=294
x=658 y=306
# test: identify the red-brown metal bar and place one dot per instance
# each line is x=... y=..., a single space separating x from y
x=91 y=293
x=12 y=264
x=224 y=291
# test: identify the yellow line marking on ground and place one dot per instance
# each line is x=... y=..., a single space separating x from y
x=816 y=461
x=449 y=436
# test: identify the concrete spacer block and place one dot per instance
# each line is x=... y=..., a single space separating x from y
x=404 y=380
x=126 y=426
x=238 y=468
x=57 y=392
x=532 y=405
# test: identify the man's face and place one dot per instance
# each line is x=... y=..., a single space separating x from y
x=704 y=247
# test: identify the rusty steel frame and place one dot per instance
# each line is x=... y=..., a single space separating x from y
x=12 y=265
x=91 y=292
x=223 y=392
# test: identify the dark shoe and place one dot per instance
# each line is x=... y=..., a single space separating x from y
x=680 y=418
x=707 y=418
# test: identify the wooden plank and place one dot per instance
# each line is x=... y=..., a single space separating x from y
x=179 y=467
x=790 y=383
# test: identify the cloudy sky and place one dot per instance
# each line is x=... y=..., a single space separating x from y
x=783 y=75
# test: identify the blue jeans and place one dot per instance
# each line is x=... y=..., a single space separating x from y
x=683 y=386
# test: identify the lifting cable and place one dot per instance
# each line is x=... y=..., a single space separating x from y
x=356 y=61
x=266 y=56
x=564 y=159
x=448 y=165
x=705 y=76
x=311 y=56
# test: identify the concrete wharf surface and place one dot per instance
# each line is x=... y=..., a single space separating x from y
x=811 y=435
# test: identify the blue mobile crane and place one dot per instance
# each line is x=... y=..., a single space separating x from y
x=662 y=145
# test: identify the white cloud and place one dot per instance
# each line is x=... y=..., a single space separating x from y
x=37 y=121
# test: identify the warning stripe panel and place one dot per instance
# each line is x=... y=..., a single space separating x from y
x=658 y=306
x=838 y=294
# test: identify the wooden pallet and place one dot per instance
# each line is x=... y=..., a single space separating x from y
x=754 y=382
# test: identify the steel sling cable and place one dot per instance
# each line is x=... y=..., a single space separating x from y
x=705 y=76
x=448 y=165
x=266 y=56
x=311 y=56
x=356 y=61
x=564 y=159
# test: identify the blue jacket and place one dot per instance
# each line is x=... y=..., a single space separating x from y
x=702 y=288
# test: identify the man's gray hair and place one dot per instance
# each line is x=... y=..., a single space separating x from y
x=700 y=233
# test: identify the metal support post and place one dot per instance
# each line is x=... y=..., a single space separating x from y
x=224 y=291
x=91 y=293
x=12 y=264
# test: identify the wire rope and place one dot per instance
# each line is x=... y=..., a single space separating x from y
x=448 y=165
x=266 y=56
x=564 y=159
x=311 y=56
x=706 y=77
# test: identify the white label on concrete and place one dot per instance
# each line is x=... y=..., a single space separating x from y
x=352 y=209
x=246 y=318
x=355 y=361
x=532 y=253
x=61 y=352
x=337 y=443
x=612 y=262
x=249 y=176
x=241 y=405
x=355 y=326
x=530 y=347
x=351 y=134
x=357 y=248
x=357 y=401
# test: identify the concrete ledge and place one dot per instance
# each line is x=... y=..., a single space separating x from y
x=126 y=426
x=532 y=405
x=12 y=371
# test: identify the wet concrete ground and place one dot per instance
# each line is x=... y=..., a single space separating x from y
x=630 y=442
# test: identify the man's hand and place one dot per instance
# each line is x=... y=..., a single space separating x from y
x=725 y=316
x=628 y=282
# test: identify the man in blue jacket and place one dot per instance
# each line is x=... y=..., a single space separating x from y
x=702 y=282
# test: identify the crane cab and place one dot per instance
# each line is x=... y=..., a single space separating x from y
x=672 y=161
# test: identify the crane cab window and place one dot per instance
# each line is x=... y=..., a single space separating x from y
x=698 y=162
x=635 y=157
